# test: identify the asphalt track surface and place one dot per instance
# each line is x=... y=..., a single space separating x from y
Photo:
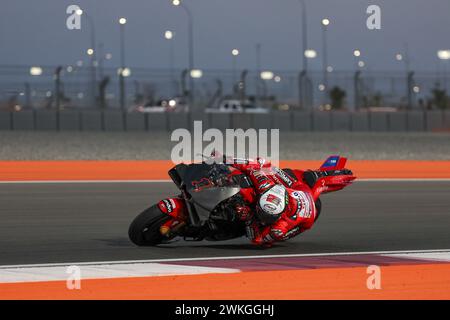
x=82 y=222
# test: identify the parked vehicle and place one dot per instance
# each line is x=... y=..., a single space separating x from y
x=177 y=104
x=236 y=106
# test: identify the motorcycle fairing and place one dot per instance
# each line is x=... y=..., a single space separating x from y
x=333 y=182
x=207 y=199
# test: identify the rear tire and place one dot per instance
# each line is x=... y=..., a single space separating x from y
x=144 y=230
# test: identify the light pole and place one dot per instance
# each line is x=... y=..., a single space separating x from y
x=401 y=58
x=100 y=60
x=168 y=35
x=258 y=71
x=409 y=76
x=357 y=78
x=404 y=57
x=234 y=53
x=122 y=22
x=304 y=35
x=92 y=52
x=444 y=56
x=179 y=3
x=325 y=23
x=356 y=54
x=303 y=77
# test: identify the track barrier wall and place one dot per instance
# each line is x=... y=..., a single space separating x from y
x=97 y=120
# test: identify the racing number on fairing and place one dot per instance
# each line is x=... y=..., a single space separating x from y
x=201 y=184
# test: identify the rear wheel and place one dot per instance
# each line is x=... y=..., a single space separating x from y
x=144 y=230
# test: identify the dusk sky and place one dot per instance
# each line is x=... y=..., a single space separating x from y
x=34 y=32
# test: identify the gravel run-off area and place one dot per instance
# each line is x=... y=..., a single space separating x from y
x=158 y=145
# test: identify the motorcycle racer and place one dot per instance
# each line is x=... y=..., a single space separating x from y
x=224 y=198
x=285 y=202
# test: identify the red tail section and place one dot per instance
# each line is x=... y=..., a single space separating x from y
x=335 y=178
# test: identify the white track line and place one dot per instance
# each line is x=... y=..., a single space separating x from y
x=431 y=256
x=157 y=268
x=119 y=270
x=166 y=181
x=330 y=254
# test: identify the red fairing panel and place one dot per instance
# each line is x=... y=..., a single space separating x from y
x=330 y=184
x=173 y=207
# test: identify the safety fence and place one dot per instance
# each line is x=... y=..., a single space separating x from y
x=78 y=86
x=97 y=120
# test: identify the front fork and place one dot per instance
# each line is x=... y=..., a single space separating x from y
x=176 y=209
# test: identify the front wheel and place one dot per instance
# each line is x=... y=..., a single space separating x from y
x=144 y=230
x=318 y=209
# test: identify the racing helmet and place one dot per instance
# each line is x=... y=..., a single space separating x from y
x=271 y=204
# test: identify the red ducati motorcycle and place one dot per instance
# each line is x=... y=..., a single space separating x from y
x=204 y=209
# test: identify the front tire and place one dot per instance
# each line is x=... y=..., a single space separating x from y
x=318 y=209
x=144 y=230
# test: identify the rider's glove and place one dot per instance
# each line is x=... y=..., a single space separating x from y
x=244 y=212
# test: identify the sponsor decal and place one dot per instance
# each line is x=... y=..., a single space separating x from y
x=291 y=233
x=304 y=208
x=264 y=186
x=269 y=207
x=277 y=232
x=260 y=176
x=241 y=161
x=295 y=195
x=283 y=176
x=273 y=199
x=168 y=205
x=250 y=232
